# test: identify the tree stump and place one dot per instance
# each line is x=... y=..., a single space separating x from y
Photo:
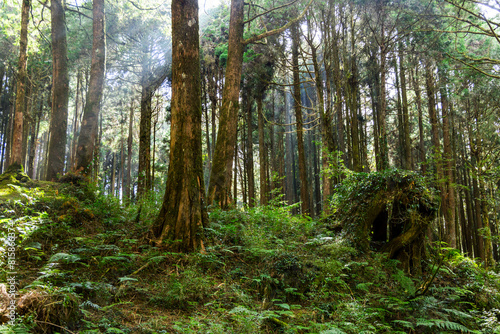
x=387 y=212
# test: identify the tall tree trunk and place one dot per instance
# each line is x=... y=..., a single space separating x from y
x=31 y=93
x=384 y=152
x=400 y=122
x=183 y=214
x=220 y=176
x=436 y=146
x=406 y=117
x=264 y=184
x=113 y=174
x=144 y=177
x=249 y=160
x=60 y=91
x=289 y=157
x=337 y=78
x=33 y=147
x=304 y=185
x=90 y=120
x=418 y=100
x=449 y=195
x=429 y=79
x=207 y=133
x=76 y=123
x=17 y=138
x=130 y=140
x=325 y=119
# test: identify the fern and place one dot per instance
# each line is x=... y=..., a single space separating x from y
x=443 y=325
x=332 y=331
x=16 y=329
x=458 y=314
x=89 y=304
x=65 y=258
x=404 y=324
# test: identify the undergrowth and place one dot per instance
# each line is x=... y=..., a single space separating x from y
x=85 y=264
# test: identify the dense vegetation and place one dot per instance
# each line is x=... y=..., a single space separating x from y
x=85 y=264
x=328 y=166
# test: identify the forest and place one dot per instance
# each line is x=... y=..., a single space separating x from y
x=263 y=166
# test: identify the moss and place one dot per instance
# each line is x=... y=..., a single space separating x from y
x=387 y=211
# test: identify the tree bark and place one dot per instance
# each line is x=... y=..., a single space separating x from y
x=76 y=125
x=183 y=214
x=17 y=138
x=421 y=144
x=384 y=153
x=130 y=141
x=449 y=162
x=264 y=184
x=406 y=117
x=249 y=160
x=90 y=120
x=304 y=184
x=219 y=189
x=60 y=91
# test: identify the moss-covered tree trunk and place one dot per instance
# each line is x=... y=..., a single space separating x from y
x=179 y=225
x=17 y=138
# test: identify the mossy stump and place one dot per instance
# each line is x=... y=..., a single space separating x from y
x=387 y=212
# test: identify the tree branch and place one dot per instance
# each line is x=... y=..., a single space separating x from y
x=269 y=11
x=277 y=30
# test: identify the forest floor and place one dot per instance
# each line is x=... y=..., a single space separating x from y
x=83 y=264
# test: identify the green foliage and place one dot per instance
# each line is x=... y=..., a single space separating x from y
x=263 y=271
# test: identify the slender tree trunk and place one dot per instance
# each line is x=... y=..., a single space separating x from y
x=289 y=157
x=429 y=79
x=33 y=147
x=384 y=153
x=122 y=167
x=31 y=93
x=207 y=134
x=235 y=181
x=326 y=123
x=76 y=124
x=130 y=140
x=17 y=138
x=304 y=185
x=406 y=117
x=153 y=160
x=418 y=100
x=249 y=169
x=183 y=214
x=488 y=247
x=220 y=176
x=113 y=173
x=264 y=189
x=144 y=178
x=449 y=195
x=88 y=132
x=338 y=93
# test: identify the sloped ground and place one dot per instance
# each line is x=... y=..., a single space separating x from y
x=84 y=266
